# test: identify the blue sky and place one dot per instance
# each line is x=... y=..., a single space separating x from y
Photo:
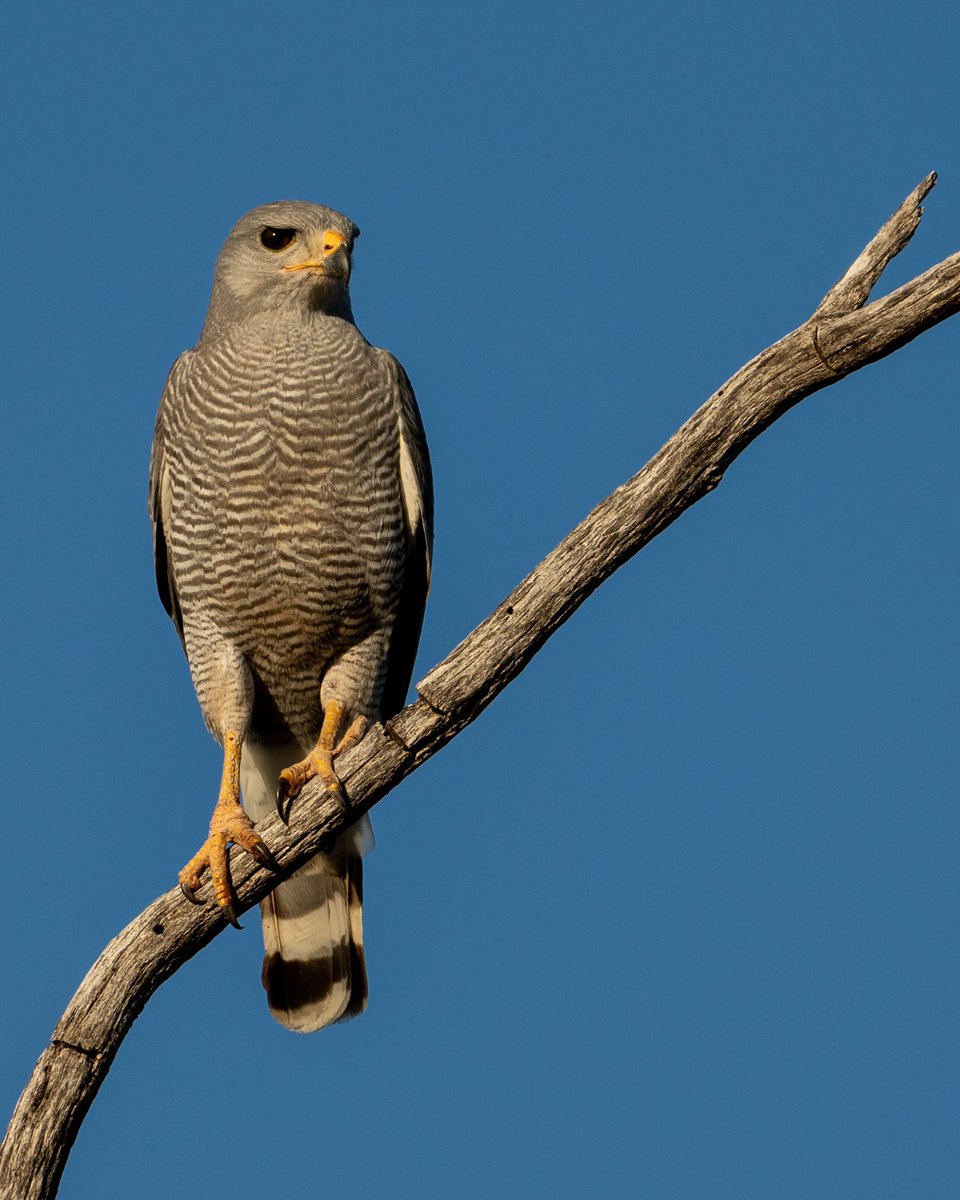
x=577 y=221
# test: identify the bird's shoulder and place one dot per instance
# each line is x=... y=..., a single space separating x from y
x=173 y=388
x=392 y=369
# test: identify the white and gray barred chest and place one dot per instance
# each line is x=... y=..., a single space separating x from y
x=287 y=525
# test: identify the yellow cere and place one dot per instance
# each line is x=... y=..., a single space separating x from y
x=332 y=241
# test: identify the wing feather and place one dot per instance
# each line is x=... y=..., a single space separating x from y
x=159 y=504
x=416 y=490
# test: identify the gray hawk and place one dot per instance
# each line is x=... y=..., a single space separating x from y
x=292 y=508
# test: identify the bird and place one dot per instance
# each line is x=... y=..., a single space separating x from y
x=291 y=499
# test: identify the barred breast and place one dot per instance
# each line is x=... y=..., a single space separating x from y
x=287 y=524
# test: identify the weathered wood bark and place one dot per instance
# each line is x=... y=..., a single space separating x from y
x=844 y=333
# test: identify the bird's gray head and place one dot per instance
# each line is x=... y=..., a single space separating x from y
x=290 y=258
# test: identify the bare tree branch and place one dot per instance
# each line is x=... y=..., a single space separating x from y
x=844 y=334
x=852 y=291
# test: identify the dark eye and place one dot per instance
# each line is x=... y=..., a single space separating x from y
x=277 y=239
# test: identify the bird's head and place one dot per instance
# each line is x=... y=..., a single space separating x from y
x=290 y=257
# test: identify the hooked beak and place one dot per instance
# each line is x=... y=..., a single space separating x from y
x=321 y=249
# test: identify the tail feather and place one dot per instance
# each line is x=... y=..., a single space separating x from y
x=358 y=964
x=313 y=970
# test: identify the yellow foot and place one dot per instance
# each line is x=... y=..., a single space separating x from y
x=320 y=759
x=229 y=824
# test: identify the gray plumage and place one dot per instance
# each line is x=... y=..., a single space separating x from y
x=292 y=506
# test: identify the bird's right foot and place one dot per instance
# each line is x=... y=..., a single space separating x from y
x=229 y=825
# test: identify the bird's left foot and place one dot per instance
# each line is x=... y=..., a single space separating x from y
x=320 y=759
x=229 y=824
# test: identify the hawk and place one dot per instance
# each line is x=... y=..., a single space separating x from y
x=292 y=507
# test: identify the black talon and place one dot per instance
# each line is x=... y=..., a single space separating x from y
x=283 y=795
x=261 y=852
x=327 y=844
x=341 y=798
x=227 y=910
x=190 y=894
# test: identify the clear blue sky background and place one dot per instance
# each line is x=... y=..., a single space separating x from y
x=578 y=220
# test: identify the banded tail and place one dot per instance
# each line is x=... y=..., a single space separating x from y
x=314 y=971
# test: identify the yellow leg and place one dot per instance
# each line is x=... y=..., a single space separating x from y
x=229 y=824
x=320 y=759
